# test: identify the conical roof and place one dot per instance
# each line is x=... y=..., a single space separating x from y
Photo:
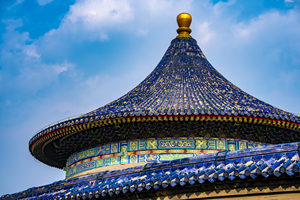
x=185 y=83
x=184 y=87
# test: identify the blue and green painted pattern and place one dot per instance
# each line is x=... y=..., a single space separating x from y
x=150 y=150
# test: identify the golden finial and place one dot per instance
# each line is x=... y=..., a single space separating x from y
x=184 y=21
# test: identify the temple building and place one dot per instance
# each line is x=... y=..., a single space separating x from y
x=185 y=132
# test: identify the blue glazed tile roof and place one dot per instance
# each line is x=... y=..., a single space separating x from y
x=262 y=162
x=183 y=83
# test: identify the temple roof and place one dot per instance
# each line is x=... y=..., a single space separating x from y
x=269 y=163
x=184 y=84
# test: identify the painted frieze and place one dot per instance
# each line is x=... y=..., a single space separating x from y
x=150 y=150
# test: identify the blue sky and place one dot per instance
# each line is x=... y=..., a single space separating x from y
x=63 y=58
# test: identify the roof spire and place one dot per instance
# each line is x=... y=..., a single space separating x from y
x=184 y=21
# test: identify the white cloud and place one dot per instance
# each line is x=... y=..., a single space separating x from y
x=87 y=20
x=207 y=34
x=30 y=50
x=161 y=8
x=93 y=19
x=93 y=14
x=270 y=23
x=22 y=65
x=63 y=67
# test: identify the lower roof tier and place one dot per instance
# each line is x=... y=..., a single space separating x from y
x=261 y=170
x=55 y=148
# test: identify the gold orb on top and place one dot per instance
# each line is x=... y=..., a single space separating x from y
x=184 y=21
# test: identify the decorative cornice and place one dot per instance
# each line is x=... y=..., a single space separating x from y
x=37 y=147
